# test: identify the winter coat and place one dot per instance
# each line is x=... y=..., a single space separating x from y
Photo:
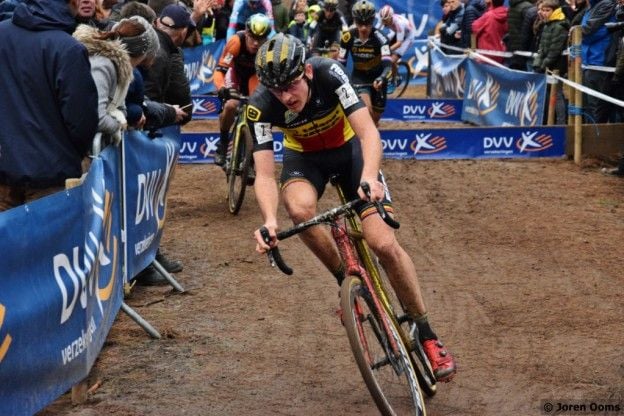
x=112 y=73
x=451 y=25
x=166 y=81
x=48 y=100
x=552 y=44
x=490 y=29
x=516 y=41
x=472 y=11
x=596 y=39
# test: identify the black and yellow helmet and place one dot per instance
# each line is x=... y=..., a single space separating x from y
x=280 y=60
x=258 y=25
x=363 y=11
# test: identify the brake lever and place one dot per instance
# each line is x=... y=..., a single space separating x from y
x=380 y=208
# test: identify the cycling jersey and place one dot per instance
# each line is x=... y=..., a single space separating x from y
x=400 y=30
x=321 y=125
x=236 y=66
x=327 y=29
x=370 y=57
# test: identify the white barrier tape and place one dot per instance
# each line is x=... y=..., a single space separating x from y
x=589 y=91
x=599 y=68
x=436 y=42
x=472 y=54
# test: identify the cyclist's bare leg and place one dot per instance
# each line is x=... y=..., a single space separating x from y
x=226 y=119
x=396 y=262
x=300 y=200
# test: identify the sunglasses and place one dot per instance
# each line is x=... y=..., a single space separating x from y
x=287 y=88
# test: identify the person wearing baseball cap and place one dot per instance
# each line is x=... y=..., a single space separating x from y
x=176 y=16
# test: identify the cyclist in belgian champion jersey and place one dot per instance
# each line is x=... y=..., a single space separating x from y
x=370 y=52
x=327 y=130
x=235 y=70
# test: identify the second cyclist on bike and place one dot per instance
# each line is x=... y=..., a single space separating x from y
x=371 y=58
x=235 y=73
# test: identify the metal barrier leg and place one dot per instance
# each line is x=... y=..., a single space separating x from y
x=139 y=320
x=168 y=276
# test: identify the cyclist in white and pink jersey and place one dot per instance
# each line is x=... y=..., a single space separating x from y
x=401 y=31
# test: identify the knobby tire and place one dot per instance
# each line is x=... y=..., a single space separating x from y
x=240 y=164
x=394 y=394
x=404 y=75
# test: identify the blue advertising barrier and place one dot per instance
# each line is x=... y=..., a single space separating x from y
x=423 y=110
x=60 y=288
x=199 y=65
x=149 y=165
x=461 y=143
x=447 y=75
x=500 y=97
x=402 y=109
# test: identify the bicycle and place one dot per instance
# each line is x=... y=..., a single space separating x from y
x=399 y=80
x=381 y=335
x=239 y=159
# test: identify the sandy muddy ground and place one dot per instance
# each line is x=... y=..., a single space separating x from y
x=521 y=264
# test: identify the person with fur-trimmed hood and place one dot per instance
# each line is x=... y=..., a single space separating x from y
x=111 y=69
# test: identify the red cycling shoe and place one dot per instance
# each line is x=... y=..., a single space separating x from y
x=442 y=362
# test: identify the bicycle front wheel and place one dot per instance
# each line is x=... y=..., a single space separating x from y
x=387 y=372
x=240 y=166
x=402 y=78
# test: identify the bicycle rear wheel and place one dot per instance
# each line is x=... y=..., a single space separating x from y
x=402 y=78
x=389 y=376
x=240 y=165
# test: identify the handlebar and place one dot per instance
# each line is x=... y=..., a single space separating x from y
x=274 y=255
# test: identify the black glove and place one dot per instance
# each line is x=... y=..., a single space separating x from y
x=223 y=93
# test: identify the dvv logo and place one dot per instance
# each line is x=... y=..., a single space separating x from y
x=204 y=106
x=5 y=342
x=484 y=94
x=206 y=71
x=80 y=275
x=440 y=110
x=424 y=143
x=534 y=142
x=523 y=105
x=209 y=147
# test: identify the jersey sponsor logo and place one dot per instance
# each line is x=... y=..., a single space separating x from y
x=336 y=71
x=347 y=95
x=327 y=132
x=228 y=58
x=346 y=36
x=263 y=132
x=289 y=116
x=253 y=113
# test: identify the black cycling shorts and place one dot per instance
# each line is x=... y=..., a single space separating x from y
x=378 y=97
x=317 y=167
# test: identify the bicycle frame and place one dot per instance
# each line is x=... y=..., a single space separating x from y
x=371 y=276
